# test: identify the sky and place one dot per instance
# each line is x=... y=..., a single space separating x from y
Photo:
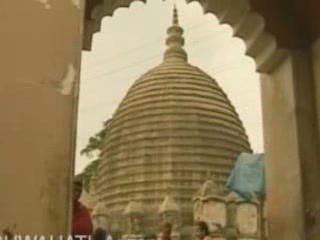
x=133 y=41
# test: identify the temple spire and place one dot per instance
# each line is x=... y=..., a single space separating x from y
x=175 y=40
x=175 y=18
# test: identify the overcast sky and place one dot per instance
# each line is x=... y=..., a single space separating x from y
x=133 y=41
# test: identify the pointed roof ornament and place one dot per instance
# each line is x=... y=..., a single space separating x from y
x=209 y=175
x=133 y=207
x=175 y=18
x=169 y=204
x=169 y=189
x=175 y=40
x=209 y=189
x=219 y=181
x=100 y=209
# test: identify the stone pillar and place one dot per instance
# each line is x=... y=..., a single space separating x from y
x=40 y=61
x=169 y=211
x=291 y=141
x=100 y=217
x=231 y=231
x=133 y=214
x=315 y=51
x=210 y=206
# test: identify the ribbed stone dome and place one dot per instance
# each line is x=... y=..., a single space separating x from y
x=174 y=124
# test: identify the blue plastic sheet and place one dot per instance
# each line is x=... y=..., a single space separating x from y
x=247 y=178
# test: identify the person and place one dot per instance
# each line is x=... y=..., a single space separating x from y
x=201 y=231
x=100 y=234
x=166 y=229
x=151 y=236
x=81 y=220
x=7 y=234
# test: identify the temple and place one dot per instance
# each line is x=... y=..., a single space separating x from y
x=39 y=94
x=174 y=124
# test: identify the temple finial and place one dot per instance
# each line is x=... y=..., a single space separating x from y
x=209 y=175
x=169 y=189
x=175 y=18
x=175 y=40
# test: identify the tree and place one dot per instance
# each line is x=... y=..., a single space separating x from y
x=88 y=173
x=95 y=142
x=93 y=148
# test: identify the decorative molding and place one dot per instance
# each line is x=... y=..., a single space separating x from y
x=250 y=27
x=99 y=9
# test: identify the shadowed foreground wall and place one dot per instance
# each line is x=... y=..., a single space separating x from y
x=39 y=62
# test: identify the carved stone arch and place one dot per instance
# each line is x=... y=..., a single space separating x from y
x=95 y=11
x=247 y=25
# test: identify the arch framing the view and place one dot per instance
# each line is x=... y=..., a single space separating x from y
x=246 y=24
x=39 y=93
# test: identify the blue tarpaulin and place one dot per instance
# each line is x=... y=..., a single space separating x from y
x=247 y=177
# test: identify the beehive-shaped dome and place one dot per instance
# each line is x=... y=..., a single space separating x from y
x=173 y=125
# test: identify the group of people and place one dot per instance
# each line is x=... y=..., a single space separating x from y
x=200 y=231
x=82 y=224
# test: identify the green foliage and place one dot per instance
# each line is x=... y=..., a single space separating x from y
x=95 y=142
x=88 y=173
x=95 y=145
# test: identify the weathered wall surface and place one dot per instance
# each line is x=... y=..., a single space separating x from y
x=291 y=143
x=315 y=53
x=281 y=154
x=40 y=57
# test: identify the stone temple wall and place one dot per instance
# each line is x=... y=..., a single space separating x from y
x=231 y=218
x=226 y=213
